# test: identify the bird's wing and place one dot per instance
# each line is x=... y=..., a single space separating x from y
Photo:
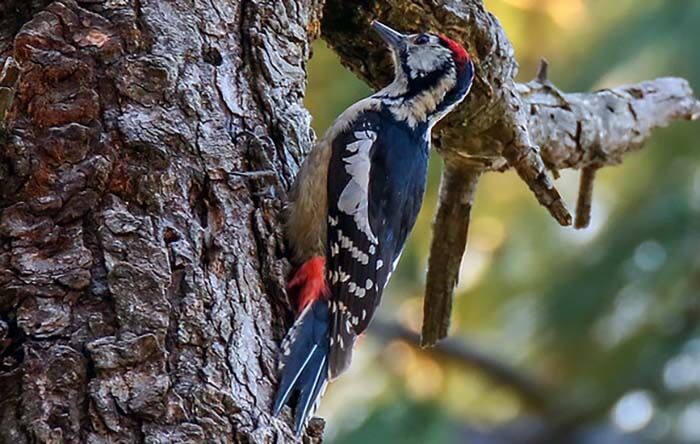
x=363 y=240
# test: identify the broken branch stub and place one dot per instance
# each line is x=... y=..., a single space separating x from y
x=457 y=190
x=585 y=197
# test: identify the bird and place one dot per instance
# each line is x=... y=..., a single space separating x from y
x=353 y=203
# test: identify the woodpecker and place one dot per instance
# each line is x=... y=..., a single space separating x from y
x=353 y=203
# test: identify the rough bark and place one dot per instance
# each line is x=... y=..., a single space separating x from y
x=145 y=150
x=146 y=157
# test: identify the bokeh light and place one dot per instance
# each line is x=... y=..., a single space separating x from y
x=633 y=411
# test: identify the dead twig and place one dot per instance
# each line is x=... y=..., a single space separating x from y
x=450 y=229
x=585 y=195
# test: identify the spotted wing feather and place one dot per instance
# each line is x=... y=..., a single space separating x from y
x=376 y=178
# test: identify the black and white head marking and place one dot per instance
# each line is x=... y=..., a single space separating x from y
x=430 y=78
x=424 y=55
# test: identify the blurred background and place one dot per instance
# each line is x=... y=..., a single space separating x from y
x=602 y=322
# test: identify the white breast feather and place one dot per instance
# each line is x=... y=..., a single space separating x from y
x=354 y=200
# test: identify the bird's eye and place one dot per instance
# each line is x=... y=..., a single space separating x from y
x=421 y=39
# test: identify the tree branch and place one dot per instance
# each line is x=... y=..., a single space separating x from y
x=504 y=124
x=585 y=195
x=533 y=392
x=578 y=130
x=449 y=242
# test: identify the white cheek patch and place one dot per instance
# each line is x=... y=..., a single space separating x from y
x=423 y=60
x=354 y=200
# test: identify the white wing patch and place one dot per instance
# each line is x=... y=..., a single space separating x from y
x=354 y=200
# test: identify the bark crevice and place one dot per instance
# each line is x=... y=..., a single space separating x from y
x=163 y=264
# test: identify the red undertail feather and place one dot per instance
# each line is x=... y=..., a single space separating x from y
x=309 y=282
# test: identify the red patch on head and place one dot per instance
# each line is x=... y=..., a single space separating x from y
x=460 y=54
x=310 y=282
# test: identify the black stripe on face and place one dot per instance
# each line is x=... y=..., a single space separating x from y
x=465 y=77
x=425 y=83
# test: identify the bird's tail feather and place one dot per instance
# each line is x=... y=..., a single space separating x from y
x=304 y=363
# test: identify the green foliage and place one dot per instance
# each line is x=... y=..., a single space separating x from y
x=403 y=421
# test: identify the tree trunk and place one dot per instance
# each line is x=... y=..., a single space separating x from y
x=143 y=166
x=146 y=147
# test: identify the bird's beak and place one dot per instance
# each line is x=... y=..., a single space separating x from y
x=391 y=37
